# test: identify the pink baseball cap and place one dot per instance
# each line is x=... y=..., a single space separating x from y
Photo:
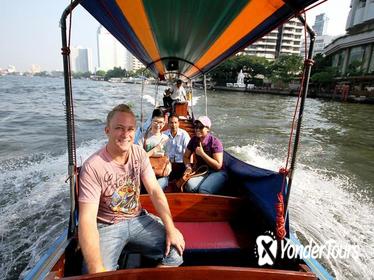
x=205 y=121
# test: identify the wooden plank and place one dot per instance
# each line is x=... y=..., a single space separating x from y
x=199 y=272
x=58 y=269
x=193 y=207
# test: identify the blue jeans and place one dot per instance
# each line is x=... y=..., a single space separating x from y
x=144 y=234
x=163 y=181
x=211 y=183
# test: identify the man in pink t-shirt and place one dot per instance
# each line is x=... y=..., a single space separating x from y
x=110 y=214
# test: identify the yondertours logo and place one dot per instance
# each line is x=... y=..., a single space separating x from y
x=268 y=247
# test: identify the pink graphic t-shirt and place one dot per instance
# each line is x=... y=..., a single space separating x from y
x=115 y=187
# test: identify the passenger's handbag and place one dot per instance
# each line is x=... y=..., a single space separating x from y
x=200 y=171
x=161 y=166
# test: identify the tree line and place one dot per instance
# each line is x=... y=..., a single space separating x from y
x=279 y=72
x=257 y=70
x=116 y=72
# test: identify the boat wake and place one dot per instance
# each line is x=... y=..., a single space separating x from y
x=35 y=207
x=321 y=210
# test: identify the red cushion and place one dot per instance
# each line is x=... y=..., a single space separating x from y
x=208 y=235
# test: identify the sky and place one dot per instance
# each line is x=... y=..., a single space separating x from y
x=30 y=31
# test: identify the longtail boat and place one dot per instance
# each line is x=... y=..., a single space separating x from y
x=187 y=39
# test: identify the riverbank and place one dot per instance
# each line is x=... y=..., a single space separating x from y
x=351 y=98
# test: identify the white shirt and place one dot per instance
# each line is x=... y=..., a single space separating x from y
x=176 y=146
x=178 y=93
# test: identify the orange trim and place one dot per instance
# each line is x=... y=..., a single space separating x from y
x=135 y=14
x=249 y=18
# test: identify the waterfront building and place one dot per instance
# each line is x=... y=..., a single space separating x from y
x=112 y=53
x=286 y=39
x=81 y=59
x=11 y=69
x=136 y=64
x=353 y=53
x=35 y=69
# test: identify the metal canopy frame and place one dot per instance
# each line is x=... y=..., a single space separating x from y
x=69 y=108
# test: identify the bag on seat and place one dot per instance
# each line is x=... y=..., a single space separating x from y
x=202 y=170
x=160 y=166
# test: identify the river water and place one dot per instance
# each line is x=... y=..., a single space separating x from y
x=332 y=196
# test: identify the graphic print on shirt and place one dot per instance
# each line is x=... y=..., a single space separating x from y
x=125 y=197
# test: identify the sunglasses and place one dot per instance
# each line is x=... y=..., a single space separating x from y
x=199 y=125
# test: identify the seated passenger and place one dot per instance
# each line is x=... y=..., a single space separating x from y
x=110 y=214
x=176 y=146
x=208 y=151
x=167 y=99
x=176 y=94
x=154 y=142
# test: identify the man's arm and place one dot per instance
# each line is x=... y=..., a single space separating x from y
x=89 y=236
x=173 y=235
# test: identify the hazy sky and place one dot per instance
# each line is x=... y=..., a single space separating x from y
x=30 y=31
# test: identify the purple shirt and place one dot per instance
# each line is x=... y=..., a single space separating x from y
x=211 y=145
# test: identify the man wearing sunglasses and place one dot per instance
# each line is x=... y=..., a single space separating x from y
x=208 y=151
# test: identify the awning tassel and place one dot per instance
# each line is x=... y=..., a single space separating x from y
x=280 y=222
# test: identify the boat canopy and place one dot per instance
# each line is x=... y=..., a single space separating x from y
x=189 y=37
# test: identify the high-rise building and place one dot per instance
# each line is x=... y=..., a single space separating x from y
x=112 y=53
x=320 y=24
x=136 y=64
x=81 y=59
x=353 y=53
x=321 y=40
x=286 y=39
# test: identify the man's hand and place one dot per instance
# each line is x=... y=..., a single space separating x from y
x=174 y=238
x=199 y=150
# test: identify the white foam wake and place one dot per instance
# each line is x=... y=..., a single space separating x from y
x=35 y=208
x=321 y=209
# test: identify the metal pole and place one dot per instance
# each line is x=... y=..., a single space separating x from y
x=69 y=112
x=141 y=107
x=156 y=92
x=308 y=66
x=206 y=97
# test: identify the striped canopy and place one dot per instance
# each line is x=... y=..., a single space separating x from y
x=189 y=37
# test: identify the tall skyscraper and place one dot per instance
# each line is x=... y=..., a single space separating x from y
x=320 y=24
x=286 y=39
x=112 y=53
x=322 y=39
x=81 y=59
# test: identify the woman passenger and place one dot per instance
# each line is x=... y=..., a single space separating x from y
x=208 y=151
x=154 y=142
